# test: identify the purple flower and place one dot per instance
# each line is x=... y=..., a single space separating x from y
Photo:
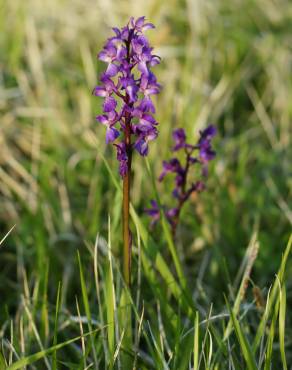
x=109 y=121
x=127 y=86
x=146 y=121
x=141 y=144
x=179 y=137
x=183 y=188
x=204 y=144
x=109 y=104
x=208 y=133
x=139 y=25
x=153 y=212
x=122 y=157
x=171 y=214
x=171 y=166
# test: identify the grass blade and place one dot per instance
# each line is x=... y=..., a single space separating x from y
x=282 y=319
x=196 y=342
x=272 y=297
x=243 y=342
x=28 y=360
x=251 y=254
x=55 y=339
x=110 y=298
x=86 y=305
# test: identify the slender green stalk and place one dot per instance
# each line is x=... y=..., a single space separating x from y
x=126 y=230
x=126 y=208
x=126 y=191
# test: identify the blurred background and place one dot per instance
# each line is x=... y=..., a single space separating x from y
x=224 y=62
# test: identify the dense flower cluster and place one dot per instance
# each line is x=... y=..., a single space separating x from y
x=199 y=155
x=127 y=86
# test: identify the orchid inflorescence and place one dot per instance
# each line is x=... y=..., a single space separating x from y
x=127 y=86
x=183 y=188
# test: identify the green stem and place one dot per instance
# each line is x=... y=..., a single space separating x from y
x=126 y=203
x=126 y=188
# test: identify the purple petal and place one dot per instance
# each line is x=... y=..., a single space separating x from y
x=141 y=146
x=111 y=70
x=108 y=83
x=132 y=91
x=144 y=82
x=113 y=116
x=153 y=212
x=121 y=53
x=147 y=120
x=173 y=165
x=109 y=104
x=147 y=105
x=152 y=134
x=208 y=133
x=152 y=91
x=207 y=154
x=111 y=134
x=103 y=119
x=154 y=60
x=147 y=26
x=104 y=57
x=137 y=45
x=172 y=212
x=140 y=22
x=142 y=66
x=123 y=168
x=179 y=137
x=121 y=152
x=100 y=91
x=116 y=31
x=125 y=33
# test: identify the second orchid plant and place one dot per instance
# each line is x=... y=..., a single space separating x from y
x=198 y=155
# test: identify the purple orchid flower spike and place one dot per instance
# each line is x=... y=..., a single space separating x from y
x=128 y=78
x=127 y=87
x=183 y=188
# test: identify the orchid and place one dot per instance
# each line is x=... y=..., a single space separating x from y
x=183 y=188
x=127 y=86
x=128 y=79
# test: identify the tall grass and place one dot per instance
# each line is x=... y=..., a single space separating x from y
x=219 y=297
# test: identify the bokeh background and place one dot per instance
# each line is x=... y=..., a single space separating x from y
x=224 y=62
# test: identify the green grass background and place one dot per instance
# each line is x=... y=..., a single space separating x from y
x=223 y=62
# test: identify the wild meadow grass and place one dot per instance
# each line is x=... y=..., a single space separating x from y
x=218 y=297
